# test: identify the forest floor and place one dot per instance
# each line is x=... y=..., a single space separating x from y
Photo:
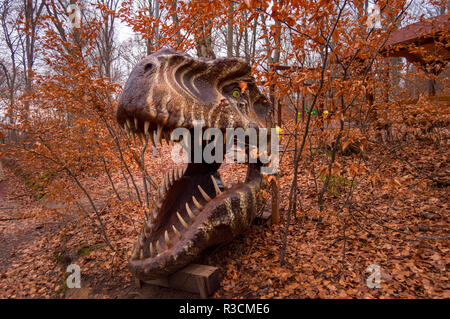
x=403 y=230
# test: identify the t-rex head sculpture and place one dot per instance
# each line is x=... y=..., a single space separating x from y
x=169 y=90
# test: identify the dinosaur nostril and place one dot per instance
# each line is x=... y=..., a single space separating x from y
x=148 y=67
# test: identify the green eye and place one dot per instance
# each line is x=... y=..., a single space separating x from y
x=237 y=94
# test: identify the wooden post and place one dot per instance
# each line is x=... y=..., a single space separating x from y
x=201 y=279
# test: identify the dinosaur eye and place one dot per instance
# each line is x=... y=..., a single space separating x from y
x=236 y=93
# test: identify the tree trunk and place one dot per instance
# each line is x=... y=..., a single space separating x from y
x=230 y=31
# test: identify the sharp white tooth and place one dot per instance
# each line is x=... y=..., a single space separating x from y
x=178 y=173
x=165 y=187
x=166 y=182
x=136 y=123
x=189 y=211
x=174 y=175
x=167 y=239
x=152 y=251
x=205 y=196
x=128 y=124
x=177 y=233
x=158 y=134
x=216 y=187
x=146 y=126
x=196 y=203
x=158 y=247
x=183 y=223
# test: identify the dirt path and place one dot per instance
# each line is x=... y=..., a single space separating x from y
x=21 y=232
x=17 y=229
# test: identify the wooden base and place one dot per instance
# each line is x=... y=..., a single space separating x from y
x=201 y=279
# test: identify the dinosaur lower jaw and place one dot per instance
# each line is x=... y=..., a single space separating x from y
x=196 y=212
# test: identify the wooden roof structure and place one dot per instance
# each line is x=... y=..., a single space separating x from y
x=417 y=41
x=414 y=42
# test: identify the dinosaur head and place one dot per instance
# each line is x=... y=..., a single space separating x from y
x=194 y=210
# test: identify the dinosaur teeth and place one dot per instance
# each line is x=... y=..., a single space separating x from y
x=183 y=223
x=158 y=247
x=146 y=126
x=166 y=182
x=169 y=180
x=158 y=134
x=216 y=187
x=128 y=124
x=177 y=233
x=128 y=131
x=196 y=203
x=174 y=176
x=205 y=196
x=136 y=123
x=167 y=239
x=152 y=251
x=190 y=213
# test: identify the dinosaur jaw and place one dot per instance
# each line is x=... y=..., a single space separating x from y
x=196 y=212
x=169 y=90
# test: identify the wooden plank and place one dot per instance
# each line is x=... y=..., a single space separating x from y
x=201 y=279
